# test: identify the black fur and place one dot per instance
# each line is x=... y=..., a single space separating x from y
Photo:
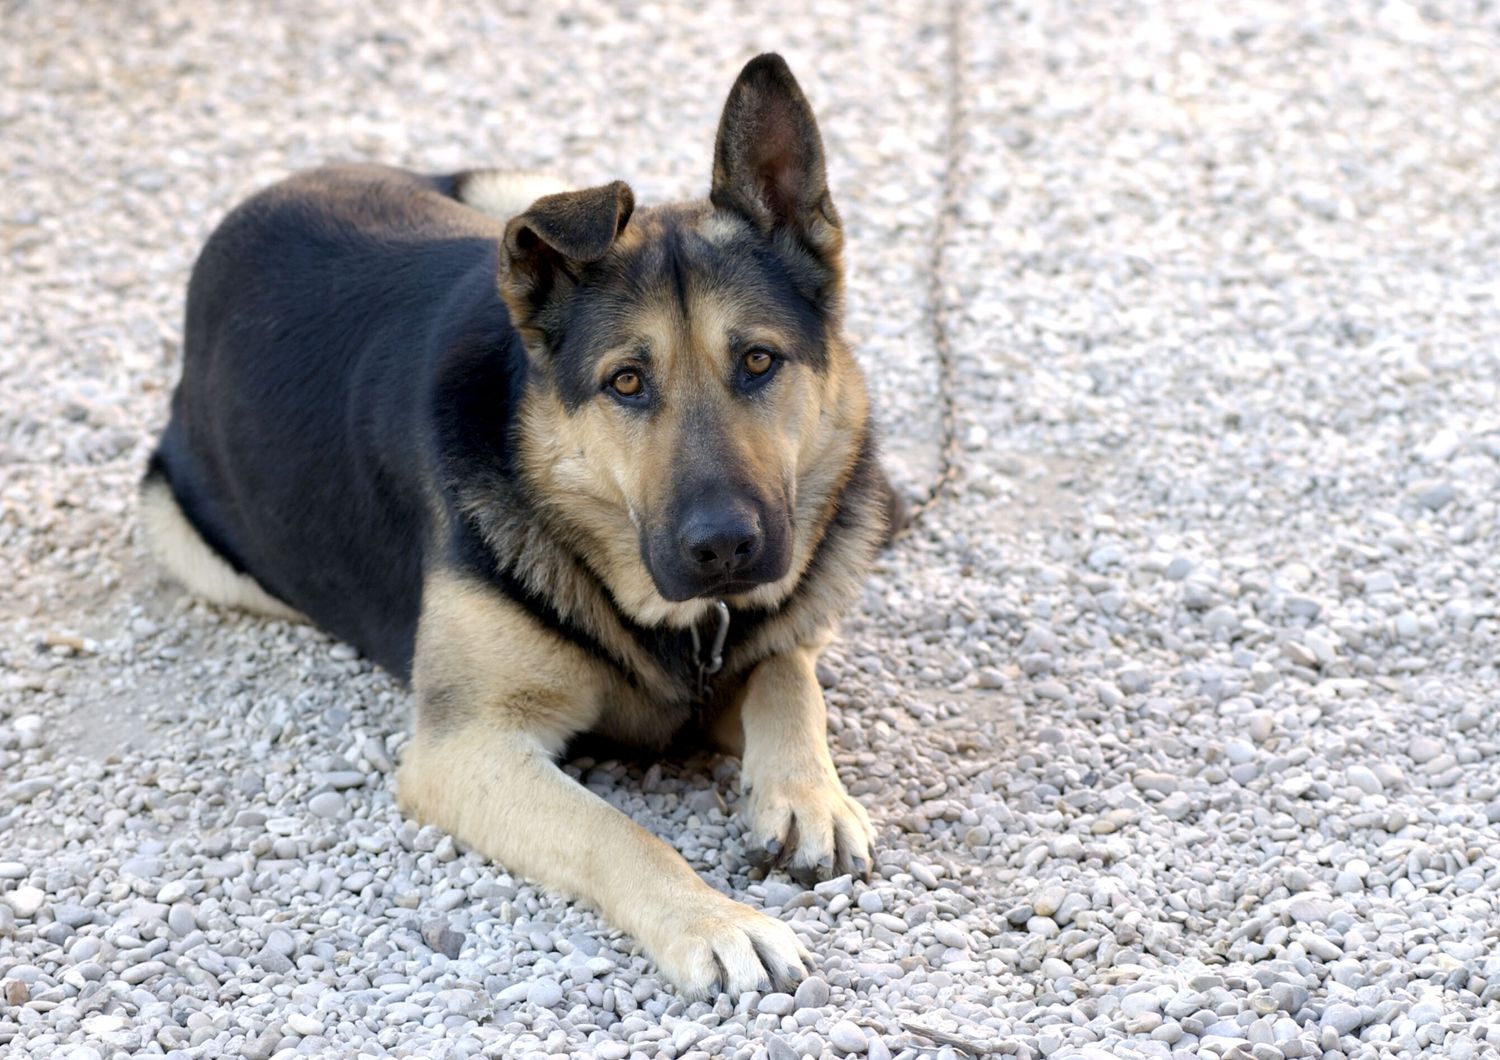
x=345 y=419
x=329 y=319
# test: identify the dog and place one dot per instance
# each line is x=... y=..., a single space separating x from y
x=568 y=467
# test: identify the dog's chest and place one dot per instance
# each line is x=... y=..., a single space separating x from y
x=633 y=716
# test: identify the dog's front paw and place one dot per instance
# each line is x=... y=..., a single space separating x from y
x=720 y=945
x=812 y=828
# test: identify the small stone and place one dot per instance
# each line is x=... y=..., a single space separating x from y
x=1048 y=899
x=812 y=992
x=1289 y=997
x=871 y=902
x=1175 y=807
x=26 y=901
x=1142 y=1001
x=1299 y=654
x=779 y=894
x=1148 y=780
x=545 y=993
x=1112 y=821
x=1434 y=494
x=1424 y=749
x=1342 y=1017
x=304 y=1025
x=836 y=886
x=847 y=1037
x=1363 y=778
x=1320 y=947
x=137 y=974
x=143 y=867
x=273 y=962
x=172 y=891
x=1239 y=752
x=777 y=1004
x=182 y=919
x=1052 y=689
x=1425 y=1012
x=327 y=804
x=950 y=934
x=1311 y=909
x=890 y=922
x=1323 y=647
x=440 y=936
x=1068 y=846
x=72 y=915
x=778 y=1049
x=989 y=677
x=1303 y=606
x=1106 y=556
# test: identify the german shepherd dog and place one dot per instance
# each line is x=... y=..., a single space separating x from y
x=569 y=467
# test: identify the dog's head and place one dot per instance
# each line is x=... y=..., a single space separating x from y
x=696 y=408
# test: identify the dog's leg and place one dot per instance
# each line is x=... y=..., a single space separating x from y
x=497 y=696
x=181 y=550
x=799 y=813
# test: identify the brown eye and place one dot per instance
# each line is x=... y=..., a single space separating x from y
x=626 y=383
x=757 y=362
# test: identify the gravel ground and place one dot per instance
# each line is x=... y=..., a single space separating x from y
x=1177 y=721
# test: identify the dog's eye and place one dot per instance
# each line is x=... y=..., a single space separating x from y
x=627 y=383
x=758 y=361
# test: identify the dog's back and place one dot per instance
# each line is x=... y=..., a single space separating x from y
x=320 y=513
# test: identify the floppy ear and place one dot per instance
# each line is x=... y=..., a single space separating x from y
x=548 y=246
x=768 y=159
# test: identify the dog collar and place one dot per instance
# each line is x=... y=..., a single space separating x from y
x=712 y=661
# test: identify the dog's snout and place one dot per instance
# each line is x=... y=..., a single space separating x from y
x=723 y=542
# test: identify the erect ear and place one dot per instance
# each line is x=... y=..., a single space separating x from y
x=768 y=159
x=548 y=246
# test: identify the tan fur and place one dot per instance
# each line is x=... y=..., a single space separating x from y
x=179 y=548
x=788 y=773
x=497 y=694
x=601 y=472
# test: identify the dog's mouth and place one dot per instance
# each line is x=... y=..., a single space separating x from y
x=677 y=592
x=730 y=587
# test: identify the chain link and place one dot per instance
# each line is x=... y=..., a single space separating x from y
x=938 y=302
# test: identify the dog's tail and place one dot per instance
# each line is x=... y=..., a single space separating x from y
x=500 y=193
x=182 y=548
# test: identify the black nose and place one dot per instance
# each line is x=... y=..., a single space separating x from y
x=724 y=541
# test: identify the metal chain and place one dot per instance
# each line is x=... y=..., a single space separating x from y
x=948 y=206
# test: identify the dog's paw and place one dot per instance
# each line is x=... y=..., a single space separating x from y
x=722 y=946
x=814 y=830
